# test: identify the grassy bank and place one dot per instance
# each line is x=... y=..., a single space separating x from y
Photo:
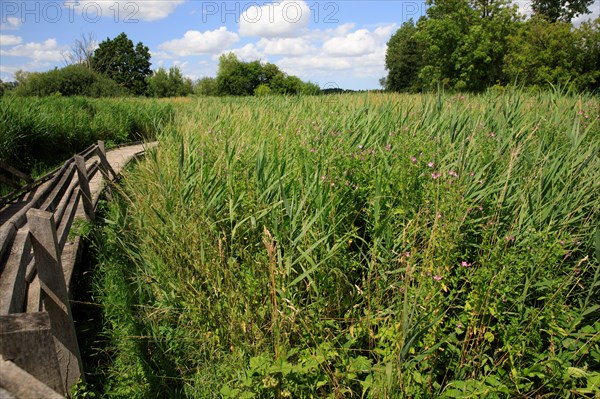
x=358 y=246
x=39 y=133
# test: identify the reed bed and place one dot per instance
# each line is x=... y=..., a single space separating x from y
x=366 y=245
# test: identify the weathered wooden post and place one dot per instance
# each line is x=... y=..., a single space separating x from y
x=84 y=186
x=105 y=169
x=54 y=295
x=26 y=340
x=104 y=161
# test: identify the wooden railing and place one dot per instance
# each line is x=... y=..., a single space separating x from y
x=39 y=354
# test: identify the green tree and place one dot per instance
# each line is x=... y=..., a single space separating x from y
x=542 y=53
x=125 y=64
x=72 y=80
x=262 y=90
x=588 y=55
x=403 y=59
x=169 y=84
x=465 y=43
x=561 y=10
x=206 y=86
x=233 y=78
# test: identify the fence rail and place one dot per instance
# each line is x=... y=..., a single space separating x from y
x=38 y=344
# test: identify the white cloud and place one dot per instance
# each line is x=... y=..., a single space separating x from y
x=287 y=46
x=285 y=19
x=358 y=43
x=48 y=50
x=11 y=23
x=247 y=53
x=125 y=10
x=195 y=42
x=10 y=40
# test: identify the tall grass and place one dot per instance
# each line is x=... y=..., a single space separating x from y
x=359 y=246
x=38 y=133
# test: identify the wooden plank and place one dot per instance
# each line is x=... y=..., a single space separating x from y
x=54 y=294
x=104 y=162
x=55 y=196
x=27 y=342
x=34 y=295
x=67 y=218
x=13 y=287
x=23 y=385
x=7 y=234
x=84 y=186
x=15 y=172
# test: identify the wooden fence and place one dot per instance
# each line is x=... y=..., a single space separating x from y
x=39 y=354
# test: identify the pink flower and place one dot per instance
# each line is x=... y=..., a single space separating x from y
x=407 y=254
x=360 y=146
x=413 y=159
x=453 y=173
x=430 y=164
x=465 y=264
x=435 y=175
x=437 y=277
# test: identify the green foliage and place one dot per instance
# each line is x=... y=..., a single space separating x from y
x=206 y=86
x=239 y=78
x=169 y=84
x=122 y=62
x=359 y=246
x=39 y=133
x=469 y=46
x=561 y=10
x=72 y=80
x=262 y=90
x=542 y=52
x=403 y=59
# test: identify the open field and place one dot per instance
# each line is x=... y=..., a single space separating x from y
x=357 y=246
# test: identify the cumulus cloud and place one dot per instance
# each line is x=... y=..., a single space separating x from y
x=126 y=10
x=288 y=18
x=49 y=50
x=359 y=42
x=287 y=46
x=10 y=40
x=195 y=42
x=10 y=23
x=249 y=52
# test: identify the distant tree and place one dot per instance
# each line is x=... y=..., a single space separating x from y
x=262 y=90
x=206 y=86
x=169 y=84
x=561 y=10
x=238 y=78
x=311 y=89
x=233 y=78
x=542 y=53
x=588 y=55
x=72 y=80
x=81 y=51
x=403 y=59
x=124 y=63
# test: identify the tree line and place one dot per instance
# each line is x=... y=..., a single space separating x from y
x=470 y=45
x=118 y=68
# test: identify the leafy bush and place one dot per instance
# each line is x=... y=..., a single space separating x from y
x=73 y=80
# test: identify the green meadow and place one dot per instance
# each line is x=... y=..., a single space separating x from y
x=356 y=246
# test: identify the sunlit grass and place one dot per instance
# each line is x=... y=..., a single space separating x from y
x=374 y=245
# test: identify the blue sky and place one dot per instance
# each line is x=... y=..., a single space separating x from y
x=332 y=43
